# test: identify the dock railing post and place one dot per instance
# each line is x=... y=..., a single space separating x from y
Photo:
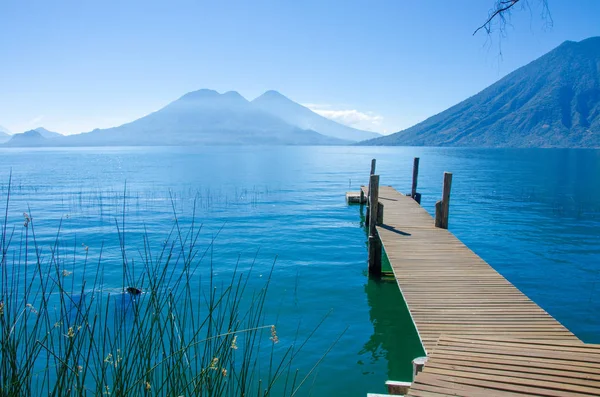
x=374 y=242
x=413 y=191
x=442 y=208
x=373 y=163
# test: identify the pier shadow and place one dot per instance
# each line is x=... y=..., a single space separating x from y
x=395 y=338
x=393 y=229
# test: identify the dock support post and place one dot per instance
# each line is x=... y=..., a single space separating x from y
x=374 y=242
x=442 y=207
x=413 y=192
x=418 y=364
x=396 y=388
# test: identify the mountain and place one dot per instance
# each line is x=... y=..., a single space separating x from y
x=28 y=138
x=297 y=115
x=552 y=102
x=4 y=134
x=48 y=134
x=203 y=117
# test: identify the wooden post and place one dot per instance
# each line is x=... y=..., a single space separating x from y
x=442 y=208
x=418 y=364
x=413 y=192
x=374 y=243
x=378 y=254
x=375 y=255
x=418 y=197
x=380 y=213
x=396 y=388
x=373 y=203
x=438 y=214
x=373 y=161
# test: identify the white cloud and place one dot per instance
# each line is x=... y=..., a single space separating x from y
x=350 y=117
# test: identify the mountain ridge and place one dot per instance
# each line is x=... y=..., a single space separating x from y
x=292 y=112
x=207 y=117
x=27 y=138
x=553 y=101
x=47 y=134
x=203 y=117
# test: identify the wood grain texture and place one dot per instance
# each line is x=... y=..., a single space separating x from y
x=505 y=367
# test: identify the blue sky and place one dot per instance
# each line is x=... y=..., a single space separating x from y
x=72 y=66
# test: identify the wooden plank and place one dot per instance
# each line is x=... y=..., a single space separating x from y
x=511 y=365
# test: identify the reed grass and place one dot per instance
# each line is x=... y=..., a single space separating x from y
x=168 y=329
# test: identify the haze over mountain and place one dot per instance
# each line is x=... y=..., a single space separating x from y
x=300 y=116
x=553 y=101
x=203 y=117
x=4 y=134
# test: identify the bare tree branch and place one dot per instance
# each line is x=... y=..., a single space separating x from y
x=501 y=12
x=501 y=7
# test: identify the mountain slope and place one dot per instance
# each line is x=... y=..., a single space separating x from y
x=295 y=114
x=203 y=117
x=552 y=102
x=48 y=134
x=27 y=138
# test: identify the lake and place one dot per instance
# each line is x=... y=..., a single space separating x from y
x=534 y=215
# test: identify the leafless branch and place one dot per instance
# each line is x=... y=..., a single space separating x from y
x=501 y=12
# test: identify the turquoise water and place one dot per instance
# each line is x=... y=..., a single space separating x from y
x=532 y=214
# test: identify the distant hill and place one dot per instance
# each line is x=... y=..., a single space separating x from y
x=297 y=115
x=203 y=117
x=552 y=102
x=28 y=138
x=48 y=134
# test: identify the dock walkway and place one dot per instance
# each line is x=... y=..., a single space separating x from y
x=448 y=288
x=483 y=336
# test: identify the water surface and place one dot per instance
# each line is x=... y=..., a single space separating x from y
x=532 y=214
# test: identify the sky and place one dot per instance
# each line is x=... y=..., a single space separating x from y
x=72 y=66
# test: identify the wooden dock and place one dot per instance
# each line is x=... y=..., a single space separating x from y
x=483 y=336
x=502 y=367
